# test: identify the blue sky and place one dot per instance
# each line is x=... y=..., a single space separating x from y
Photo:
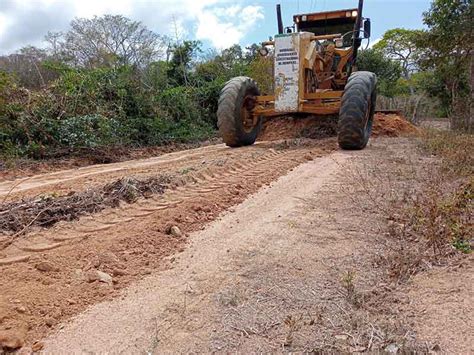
x=217 y=23
x=384 y=14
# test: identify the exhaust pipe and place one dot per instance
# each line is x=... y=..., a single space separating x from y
x=280 y=22
x=356 y=41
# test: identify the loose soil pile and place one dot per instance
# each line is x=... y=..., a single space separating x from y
x=391 y=125
x=298 y=127
x=63 y=159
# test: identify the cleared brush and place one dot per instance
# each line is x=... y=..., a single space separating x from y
x=17 y=217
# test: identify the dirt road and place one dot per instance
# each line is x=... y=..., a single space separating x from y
x=238 y=266
x=49 y=274
x=291 y=268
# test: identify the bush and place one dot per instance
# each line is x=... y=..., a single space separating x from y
x=89 y=131
x=207 y=97
x=99 y=107
x=179 y=103
x=161 y=130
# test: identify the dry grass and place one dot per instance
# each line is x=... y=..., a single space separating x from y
x=454 y=150
x=443 y=211
x=426 y=196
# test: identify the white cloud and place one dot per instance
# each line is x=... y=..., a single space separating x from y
x=224 y=27
x=221 y=22
x=374 y=42
x=89 y=8
x=4 y=23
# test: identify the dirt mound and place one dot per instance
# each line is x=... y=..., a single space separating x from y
x=391 y=125
x=62 y=159
x=298 y=127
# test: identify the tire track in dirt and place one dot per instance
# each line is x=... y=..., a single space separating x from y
x=205 y=183
x=44 y=182
x=132 y=240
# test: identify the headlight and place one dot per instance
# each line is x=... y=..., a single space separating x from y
x=354 y=13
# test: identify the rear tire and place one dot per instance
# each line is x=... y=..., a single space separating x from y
x=357 y=110
x=236 y=101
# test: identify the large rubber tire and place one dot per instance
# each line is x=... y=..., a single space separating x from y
x=229 y=112
x=357 y=110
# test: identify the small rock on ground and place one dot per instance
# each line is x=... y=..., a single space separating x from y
x=46 y=266
x=175 y=231
x=11 y=340
x=100 y=276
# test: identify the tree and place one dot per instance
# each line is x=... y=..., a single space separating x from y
x=183 y=56
x=388 y=71
x=448 y=51
x=107 y=41
x=27 y=65
x=399 y=44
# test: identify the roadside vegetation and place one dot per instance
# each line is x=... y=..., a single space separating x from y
x=446 y=208
x=110 y=82
x=427 y=198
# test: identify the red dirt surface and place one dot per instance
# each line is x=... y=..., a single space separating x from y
x=62 y=160
x=48 y=275
x=391 y=125
x=298 y=127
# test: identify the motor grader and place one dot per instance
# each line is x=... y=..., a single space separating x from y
x=314 y=73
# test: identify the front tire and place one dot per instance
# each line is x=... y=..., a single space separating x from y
x=236 y=123
x=357 y=110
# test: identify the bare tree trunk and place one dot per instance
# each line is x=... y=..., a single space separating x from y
x=470 y=119
x=453 y=117
x=414 y=118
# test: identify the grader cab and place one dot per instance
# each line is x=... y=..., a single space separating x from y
x=314 y=73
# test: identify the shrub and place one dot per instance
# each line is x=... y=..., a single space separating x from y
x=179 y=103
x=161 y=130
x=89 y=131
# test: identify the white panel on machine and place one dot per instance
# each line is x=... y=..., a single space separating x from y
x=287 y=62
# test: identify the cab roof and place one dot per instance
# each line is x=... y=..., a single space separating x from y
x=328 y=15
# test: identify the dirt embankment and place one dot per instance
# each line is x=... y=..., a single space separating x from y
x=76 y=158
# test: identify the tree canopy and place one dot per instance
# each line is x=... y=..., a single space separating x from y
x=388 y=71
x=109 y=40
x=447 y=50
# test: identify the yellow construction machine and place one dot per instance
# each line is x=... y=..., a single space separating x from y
x=314 y=73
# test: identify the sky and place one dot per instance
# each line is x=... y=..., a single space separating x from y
x=217 y=23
